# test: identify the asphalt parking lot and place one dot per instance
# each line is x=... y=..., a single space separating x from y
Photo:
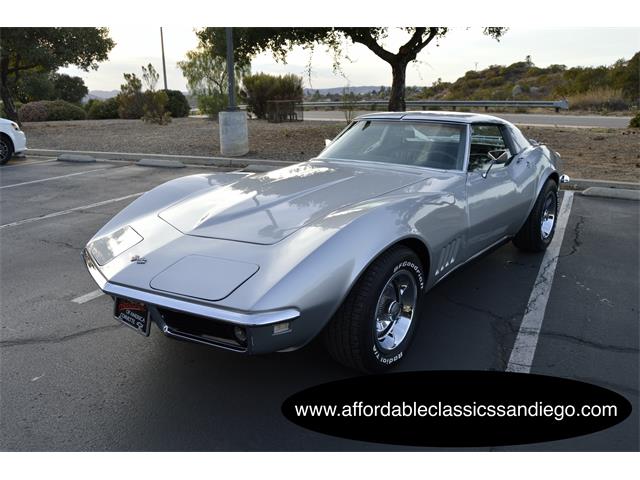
x=71 y=378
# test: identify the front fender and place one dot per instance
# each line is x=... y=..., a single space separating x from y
x=342 y=245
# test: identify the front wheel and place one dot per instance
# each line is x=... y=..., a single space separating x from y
x=6 y=149
x=373 y=328
x=537 y=232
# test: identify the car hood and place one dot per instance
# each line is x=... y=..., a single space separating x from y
x=265 y=208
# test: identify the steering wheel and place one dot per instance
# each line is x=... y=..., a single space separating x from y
x=447 y=157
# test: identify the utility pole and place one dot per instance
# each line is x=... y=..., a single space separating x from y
x=164 y=66
x=230 y=71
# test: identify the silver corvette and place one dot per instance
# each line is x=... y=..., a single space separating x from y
x=344 y=245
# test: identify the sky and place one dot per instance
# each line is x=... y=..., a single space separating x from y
x=461 y=50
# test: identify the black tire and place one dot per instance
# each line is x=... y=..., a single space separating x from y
x=531 y=237
x=351 y=337
x=6 y=149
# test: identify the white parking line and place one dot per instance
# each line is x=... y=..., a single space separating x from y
x=28 y=162
x=70 y=210
x=87 y=297
x=51 y=178
x=526 y=342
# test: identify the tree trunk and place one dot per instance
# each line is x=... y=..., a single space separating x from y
x=5 y=94
x=396 y=99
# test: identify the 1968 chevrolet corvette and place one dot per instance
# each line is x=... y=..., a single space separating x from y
x=344 y=245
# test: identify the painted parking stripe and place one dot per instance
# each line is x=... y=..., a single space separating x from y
x=51 y=178
x=526 y=342
x=28 y=162
x=87 y=297
x=70 y=210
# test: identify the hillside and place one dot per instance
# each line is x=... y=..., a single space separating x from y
x=616 y=86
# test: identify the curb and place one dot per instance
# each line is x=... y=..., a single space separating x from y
x=584 y=183
x=617 y=193
x=155 y=162
x=71 y=157
x=239 y=162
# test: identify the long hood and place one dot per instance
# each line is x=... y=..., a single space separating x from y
x=266 y=208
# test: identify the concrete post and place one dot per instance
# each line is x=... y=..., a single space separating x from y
x=234 y=133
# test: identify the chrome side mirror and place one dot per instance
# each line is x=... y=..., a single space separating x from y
x=496 y=156
x=564 y=179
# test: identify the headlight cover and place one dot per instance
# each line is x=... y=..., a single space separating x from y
x=105 y=249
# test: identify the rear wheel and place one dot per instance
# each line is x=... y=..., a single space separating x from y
x=537 y=232
x=374 y=326
x=6 y=149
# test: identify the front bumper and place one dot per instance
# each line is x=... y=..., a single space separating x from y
x=19 y=142
x=266 y=331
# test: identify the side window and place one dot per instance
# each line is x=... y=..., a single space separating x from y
x=484 y=139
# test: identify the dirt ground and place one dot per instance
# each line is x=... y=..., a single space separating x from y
x=594 y=153
x=609 y=154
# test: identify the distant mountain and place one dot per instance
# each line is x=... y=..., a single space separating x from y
x=101 y=94
x=339 y=90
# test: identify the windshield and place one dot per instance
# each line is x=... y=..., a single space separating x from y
x=423 y=144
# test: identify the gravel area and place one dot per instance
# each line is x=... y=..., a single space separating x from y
x=595 y=153
x=609 y=154
x=186 y=136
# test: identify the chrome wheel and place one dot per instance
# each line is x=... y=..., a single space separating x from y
x=395 y=308
x=548 y=219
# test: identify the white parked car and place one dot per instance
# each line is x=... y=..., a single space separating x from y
x=12 y=140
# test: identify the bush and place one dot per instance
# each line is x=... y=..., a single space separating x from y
x=46 y=110
x=130 y=99
x=155 y=104
x=177 y=104
x=33 y=112
x=103 y=109
x=61 y=110
x=261 y=87
x=599 y=99
x=635 y=121
x=211 y=105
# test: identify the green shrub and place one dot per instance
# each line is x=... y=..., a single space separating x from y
x=61 y=110
x=130 y=99
x=177 y=104
x=258 y=89
x=211 y=105
x=103 y=109
x=635 y=121
x=45 y=110
x=155 y=110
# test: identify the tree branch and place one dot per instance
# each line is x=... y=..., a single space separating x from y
x=368 y=41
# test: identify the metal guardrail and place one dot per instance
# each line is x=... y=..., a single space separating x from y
x=453 y=104
x=557 y=105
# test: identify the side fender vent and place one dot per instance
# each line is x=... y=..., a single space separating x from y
x=448 y=256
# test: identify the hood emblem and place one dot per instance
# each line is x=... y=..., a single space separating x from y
x=138 y=259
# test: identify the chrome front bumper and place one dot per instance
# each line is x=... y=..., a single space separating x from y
x=264 y=329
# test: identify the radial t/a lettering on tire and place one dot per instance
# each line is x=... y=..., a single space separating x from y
x=373 y=328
